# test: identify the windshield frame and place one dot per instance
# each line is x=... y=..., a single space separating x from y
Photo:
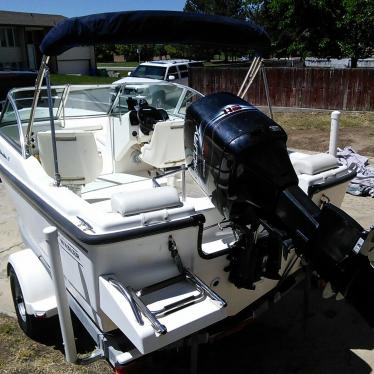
x=20 y=147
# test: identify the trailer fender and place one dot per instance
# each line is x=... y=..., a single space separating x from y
x=35 y=282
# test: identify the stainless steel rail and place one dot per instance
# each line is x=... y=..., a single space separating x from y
x=251 y=74
x=210 y=292
x=134 y=298
x=53 y=131
x=156 y=324
x=266 y=85
x=182 y=169
x=38 y=85
x=123 y=290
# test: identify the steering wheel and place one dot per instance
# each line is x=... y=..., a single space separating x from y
x=147 y=116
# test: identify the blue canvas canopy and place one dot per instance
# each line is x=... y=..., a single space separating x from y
x=154 y=27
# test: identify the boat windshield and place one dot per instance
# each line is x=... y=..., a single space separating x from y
x=87 y=101
x=173 y=98
x=97 y=100
x=67 y=101
x=23 y=99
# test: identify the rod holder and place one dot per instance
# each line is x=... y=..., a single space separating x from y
x=51 y=238
x=334 y=133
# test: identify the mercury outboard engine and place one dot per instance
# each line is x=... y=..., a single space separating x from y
x=239 y=157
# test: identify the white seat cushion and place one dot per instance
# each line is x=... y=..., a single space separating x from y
x=136 y=202
x=314 y=164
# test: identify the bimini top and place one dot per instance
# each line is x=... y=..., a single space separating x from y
x=154 y=27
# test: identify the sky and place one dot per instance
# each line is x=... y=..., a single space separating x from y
x=71 y=8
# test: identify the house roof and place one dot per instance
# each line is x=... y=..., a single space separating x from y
x=29 y=19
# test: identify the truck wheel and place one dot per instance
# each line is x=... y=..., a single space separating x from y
x=28 y=323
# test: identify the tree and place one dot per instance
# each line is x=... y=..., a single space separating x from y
x=104 y=52
x=230 y=8
x=320 y=28
x=357 y=29
x=302 y=28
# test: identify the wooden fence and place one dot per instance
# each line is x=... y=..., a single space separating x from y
x=344 y=89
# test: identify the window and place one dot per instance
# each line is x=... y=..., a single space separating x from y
x=172 y=71
x=3 y=42
x=183 y=69
x=9 y=37
x=17 y=32
x=146 y=71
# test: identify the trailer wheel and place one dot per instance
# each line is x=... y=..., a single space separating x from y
x=28 y=323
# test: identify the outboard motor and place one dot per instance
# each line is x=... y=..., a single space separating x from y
x=239 y=157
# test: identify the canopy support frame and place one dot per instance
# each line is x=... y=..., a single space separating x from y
x=254 y=68
x=53 y=130
x=38 y=85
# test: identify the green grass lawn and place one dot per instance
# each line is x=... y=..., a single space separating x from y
x=322 y=120
x=58 y=79
x=127 y=64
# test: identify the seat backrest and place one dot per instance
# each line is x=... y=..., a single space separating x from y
x=166 y=148
x=79 y=161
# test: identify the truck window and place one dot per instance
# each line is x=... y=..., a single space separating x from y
x=172 y=71
x=183 y=70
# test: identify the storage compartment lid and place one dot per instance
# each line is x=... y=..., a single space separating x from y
x=314 y=164
x=136 y=202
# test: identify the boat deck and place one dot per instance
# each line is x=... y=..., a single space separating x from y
x=100 y=191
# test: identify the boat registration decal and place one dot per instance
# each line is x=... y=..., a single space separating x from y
x=70 y=248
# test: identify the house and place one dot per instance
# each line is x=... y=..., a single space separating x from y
x=20 y=37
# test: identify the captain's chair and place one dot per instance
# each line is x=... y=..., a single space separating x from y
x=166 y=148
x=79 y=161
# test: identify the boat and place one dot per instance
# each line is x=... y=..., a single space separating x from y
x=167 y=221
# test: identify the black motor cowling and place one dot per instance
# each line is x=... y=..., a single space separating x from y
x=239 y=157
x=237 y=154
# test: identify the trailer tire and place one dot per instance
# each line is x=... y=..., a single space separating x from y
x=30 y=325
